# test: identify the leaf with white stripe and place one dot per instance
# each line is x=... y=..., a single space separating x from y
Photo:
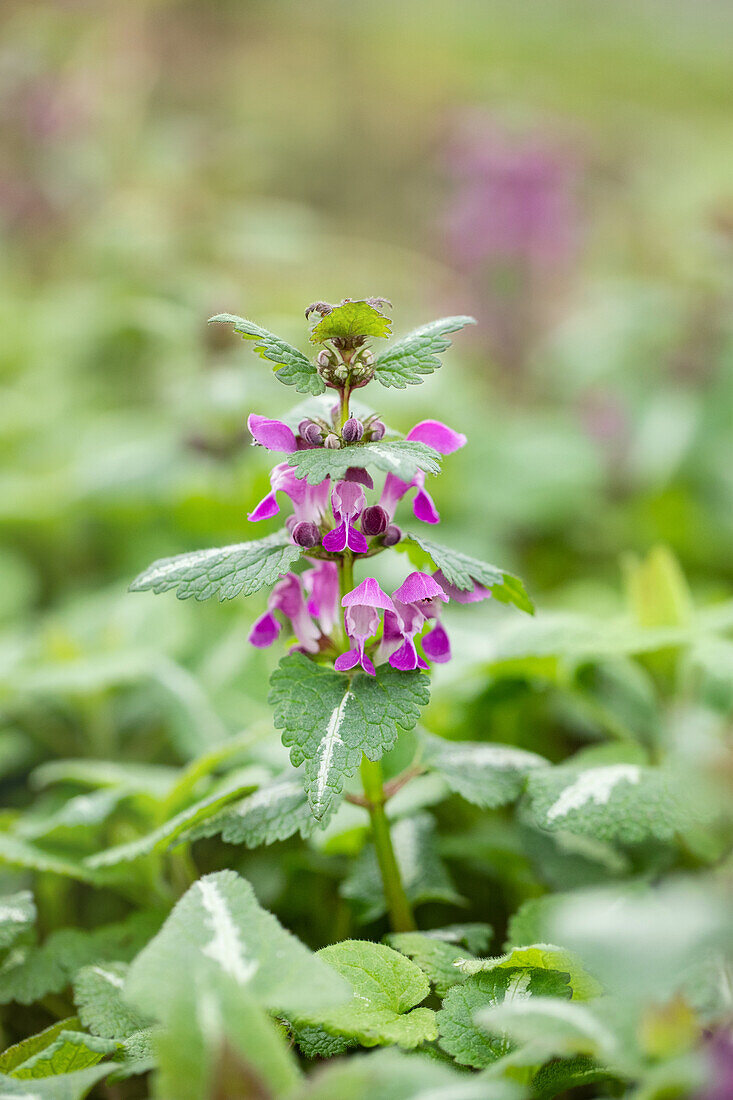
x=223 y=571
x=292 y=367
x=218 y=929
x=17 y=915
x=274 y=812
x=407 y=361
x=401 y=457
x=99 y=1002
x=486 y=774
x=541 y=956
x=329 y=719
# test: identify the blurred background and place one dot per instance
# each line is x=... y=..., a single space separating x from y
x=562 y=170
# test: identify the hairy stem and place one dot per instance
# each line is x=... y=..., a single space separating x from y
x=398 y=907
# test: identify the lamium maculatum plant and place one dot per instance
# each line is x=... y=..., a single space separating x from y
x=356 y=671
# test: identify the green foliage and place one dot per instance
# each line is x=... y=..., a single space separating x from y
x=329 y=720
x=436 y=958
x=401 y=457
x=386 y=987
x=274 y=812
x=226 y=571
x=351 y=319
x=17 y=915
x=291 y=366
x=67 y=1086
x=487 y=775
x=99 y=1002
x=70 y=1051
x=541 y=956
x=15 y=1055
x=408 y=360
x=462 y=570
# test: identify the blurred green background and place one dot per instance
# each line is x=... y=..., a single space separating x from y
x=563 y=170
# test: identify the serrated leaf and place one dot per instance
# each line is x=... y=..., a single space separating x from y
x=349 y=320
x=17 y=915
x=470 y=1045
x=407 y=361
x=329 y=719
x=20 y=1052
x=68 y=1086
x=423 y=873
x=486 y=774
x=71 y=1051
x=225 y=571
x=615 y=802
x=435 y=958
x=99 y=1002
x=474 y=935
x=462 y=570
x=401 y=457
x=386 y=987
x=550 y=1027
x=218 y=928
x=291 y=366
x=274 y=812
x=557 y=1077
x=314 y=1042
x=541 y=956
x=136 y=1055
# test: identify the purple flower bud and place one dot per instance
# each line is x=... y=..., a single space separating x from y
x=392 y=535
x=306 y=534
x=332 y=441
x=377 y=430
x=352 y=430
x=310 y=432
x=374 y=520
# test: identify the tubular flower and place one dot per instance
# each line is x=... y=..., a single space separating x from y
x=309 y=501
x=322 y=585
x=348 y=501
x=287 y=597
x=442 y=439
x=272 y=434
x=458 y=595
x=362 y=622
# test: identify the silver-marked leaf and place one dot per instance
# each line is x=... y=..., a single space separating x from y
x=614 y=802
x=99 y=1002
x=274 y=812
x=541 y=956
x=219 y=929
x=466 y=1042
x=407 y=361
x=291 y=366
x=550 y=1027
x=70 y=1051
x=223 y=571
x=329 y=719
x=66 y=1086
x=462 y=571
x=386 y=987
x=351 y=319
x=487 y=775
x=401 y=457
x=17 y=915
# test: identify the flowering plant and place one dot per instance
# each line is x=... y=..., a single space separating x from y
x=356 y=670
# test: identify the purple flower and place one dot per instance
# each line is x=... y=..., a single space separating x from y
x=444 y=440
x=272 y=434
x=436 y=644
x=348 y=502
x=362 y=621
x=322 y=585
x=415 y=601
x=309 y=501
x=419 y=587
x=287 y=597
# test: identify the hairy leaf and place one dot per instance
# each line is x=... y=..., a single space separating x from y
x=401 y=457
x=462 y=570
x=71 y=1050
x=474 y=935
x=408 y=360
x=435 y=958
x=20 y=1052
x=98 y=999
x=225 y=571
x=274 y=812
x=291 y=366
x=17 y=915
x=16 y=852
x=549 y=1026
x=349 y=320
x=486 y=774
x=386 y=987
x=67 y=1086
x=541 y=956
x=314 y=1042
x=329 y=719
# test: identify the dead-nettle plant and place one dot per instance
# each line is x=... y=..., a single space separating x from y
x=356 y=673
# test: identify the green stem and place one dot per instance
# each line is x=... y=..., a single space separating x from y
x=345 y=394
x=398 y=907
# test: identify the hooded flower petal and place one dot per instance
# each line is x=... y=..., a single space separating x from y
x=436 y=644
x=265 y=630
x=368 y=594
x=472 y=595
x=419 y=586
x=348 y=501
x=438 y=436
x=272 y=434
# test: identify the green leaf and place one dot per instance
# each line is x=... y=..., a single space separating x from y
x=329 y=719
x=225 y=571
x=20 y=1052
x=314 y=1042
x=68 y=1086
x=407 y=361
x=462 y=570
x=136 y=1055
x=17 y=915
x=435 y=958
x=386 y=986
x=423 y=874
x=488 y=775
x=291 y=366
x=70 y=1051
x=219 y=928
x=558 y=1077
x=401 y=457
x=550 y=1027
x=470 y=1045
x=98 y=999
x=614 y=802
x=349 y=320
x=474 y=935
x=16 y=852
x=541 y=956
x=274 y=812
x=153 y=779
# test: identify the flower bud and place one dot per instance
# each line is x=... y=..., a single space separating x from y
x=325 y=358
x=392 y=535
x=310 y=432
x=374 y=520
x=306 y=534
x=332 y=441
x=377 y=430
x=367 y=357
x=352 y=430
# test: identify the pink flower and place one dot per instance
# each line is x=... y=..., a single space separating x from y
x=442 y=439
x=287 y=597
x=322 y=585
x=309 y=501
x=272 y=434
x=362 y=622
x=348 y=501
